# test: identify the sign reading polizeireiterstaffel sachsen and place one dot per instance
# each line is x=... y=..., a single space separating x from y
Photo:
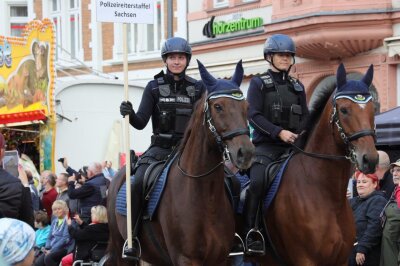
x=125 y=11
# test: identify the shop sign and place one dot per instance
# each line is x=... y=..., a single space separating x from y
x=27 y=73
x=27 y=82
x=212 y=28
x=125 y=11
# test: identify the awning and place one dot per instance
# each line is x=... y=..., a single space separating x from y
x=388 y=127
x=30 y=116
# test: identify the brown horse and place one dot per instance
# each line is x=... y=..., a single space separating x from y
x=194 y=222
x=310 y=221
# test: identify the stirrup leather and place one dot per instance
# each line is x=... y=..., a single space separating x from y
x=125 y=250
x=257 y=233
x=238 y=253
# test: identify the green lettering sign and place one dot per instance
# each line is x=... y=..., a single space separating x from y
x=222 y=27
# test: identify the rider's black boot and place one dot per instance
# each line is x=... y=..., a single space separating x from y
x=253 y=238
x=136 y=206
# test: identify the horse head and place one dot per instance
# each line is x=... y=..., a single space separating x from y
x=225 y=112
x=353 y=115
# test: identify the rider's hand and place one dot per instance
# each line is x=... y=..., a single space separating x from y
x=360 y=258
x=126 y=108
x=287 y=136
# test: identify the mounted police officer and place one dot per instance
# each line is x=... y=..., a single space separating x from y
x=169 y=100
x=277 y=109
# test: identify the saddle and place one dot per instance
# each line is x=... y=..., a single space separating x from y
x=153 y=172
x=271 y=171
x=150 y=177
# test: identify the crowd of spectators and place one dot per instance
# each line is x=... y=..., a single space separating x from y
x=375 y=202
x=65 y=214
x=69 y=215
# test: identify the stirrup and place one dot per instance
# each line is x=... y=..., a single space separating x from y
x=127 y=253
x=260 y=236
x=238 y=253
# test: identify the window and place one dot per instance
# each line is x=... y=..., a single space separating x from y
x=57 y=29
x=16 y=29
x=75 y=29
x=18 y=11
x=144 y=38
x=67 y=23
x=18 y=19
x=248 y=1
x=56 y=18
x=55 y=5
x=220 y=3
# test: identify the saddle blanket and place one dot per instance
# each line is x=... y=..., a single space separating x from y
x=155 y=194
x=272 y=190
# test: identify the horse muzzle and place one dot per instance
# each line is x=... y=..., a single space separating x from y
x=367 y=162
x=243 y=156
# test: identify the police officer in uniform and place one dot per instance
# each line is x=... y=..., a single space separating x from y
x=277 y=109
x=169 y=100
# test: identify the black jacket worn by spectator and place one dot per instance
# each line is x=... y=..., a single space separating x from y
x=86 y=237
x=366 y=213
x=15 y=199
x=90 y=194
x=386 y=185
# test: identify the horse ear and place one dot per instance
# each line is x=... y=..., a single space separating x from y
x=238 y=75
x=208 y=80
x=367 y=79
x=341 y=76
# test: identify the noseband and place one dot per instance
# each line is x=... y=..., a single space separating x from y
x=235 y=95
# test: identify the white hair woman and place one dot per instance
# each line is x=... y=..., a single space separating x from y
x=87 y=236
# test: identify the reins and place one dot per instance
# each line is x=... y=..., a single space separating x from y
x=197 y=176
x=320 y=155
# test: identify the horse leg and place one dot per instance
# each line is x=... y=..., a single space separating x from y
x=184 y=261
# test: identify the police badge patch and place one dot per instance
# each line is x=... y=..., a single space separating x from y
x=190 y=91
x=164 y=90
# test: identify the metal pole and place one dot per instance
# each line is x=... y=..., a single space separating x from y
x=170 y=19
x=127 y=144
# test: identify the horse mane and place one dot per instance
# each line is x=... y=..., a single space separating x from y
x=317 y=104
x=194 y=123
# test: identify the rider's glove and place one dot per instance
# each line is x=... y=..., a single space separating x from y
x=126 y=109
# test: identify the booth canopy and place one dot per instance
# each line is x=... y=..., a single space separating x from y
x=388 y=127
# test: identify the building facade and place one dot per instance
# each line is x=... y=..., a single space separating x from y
x=221 y=32
x=357 y=33
x=88 y=60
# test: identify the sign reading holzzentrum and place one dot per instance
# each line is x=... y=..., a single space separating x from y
x=125 y=11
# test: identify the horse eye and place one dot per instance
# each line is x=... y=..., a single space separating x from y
x=218 y=107
x=344 y=111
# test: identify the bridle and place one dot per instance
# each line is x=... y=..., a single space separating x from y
x=219 y=138
x=347 y=139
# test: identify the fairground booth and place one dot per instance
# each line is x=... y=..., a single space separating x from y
x=27 y=81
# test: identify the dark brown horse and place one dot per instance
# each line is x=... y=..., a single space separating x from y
x=310 y=221
x=194 y=223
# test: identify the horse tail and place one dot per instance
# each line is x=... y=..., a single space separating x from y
x=116 y=241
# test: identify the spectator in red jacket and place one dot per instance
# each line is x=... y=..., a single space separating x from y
x=49 y=193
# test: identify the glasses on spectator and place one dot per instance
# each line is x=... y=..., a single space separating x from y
x=395 y=170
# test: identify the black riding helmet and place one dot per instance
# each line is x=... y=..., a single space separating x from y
x=176 y=45
x=279 y=43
